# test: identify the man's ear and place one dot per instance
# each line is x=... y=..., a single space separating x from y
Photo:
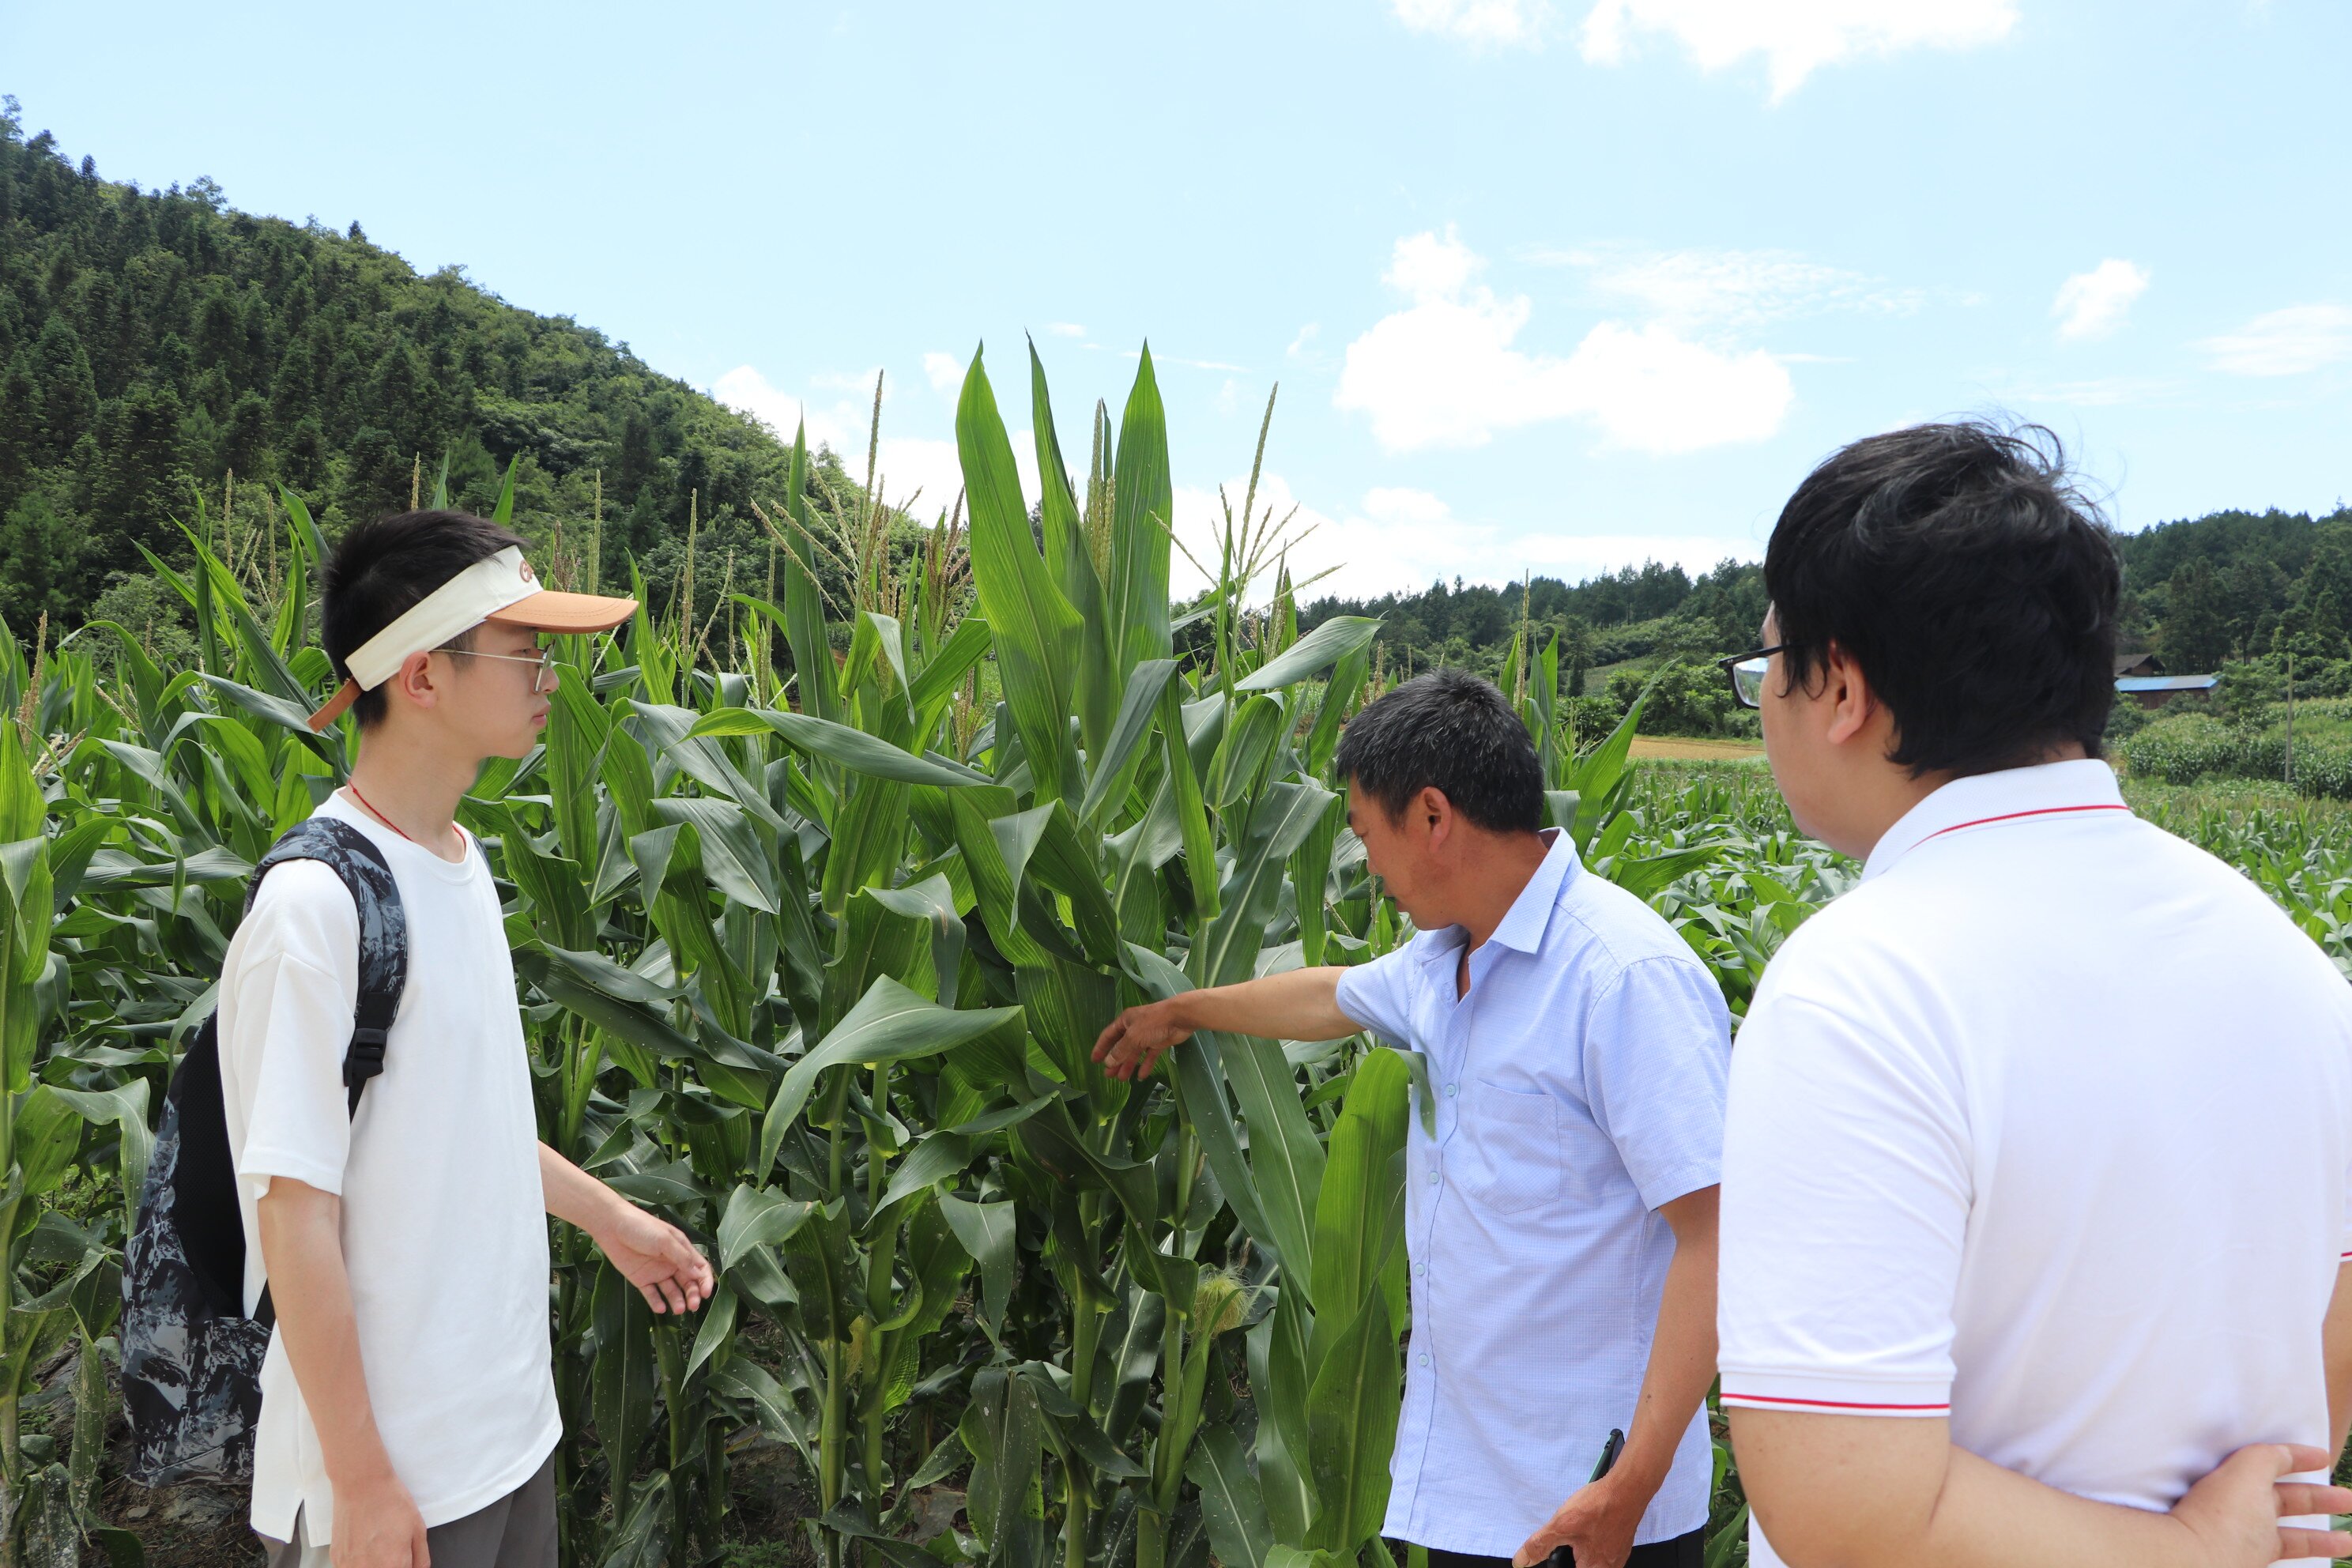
x=1853 y=704
x=413 y=681
x=1432 y=811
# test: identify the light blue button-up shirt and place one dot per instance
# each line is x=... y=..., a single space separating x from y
x=1578 y=1088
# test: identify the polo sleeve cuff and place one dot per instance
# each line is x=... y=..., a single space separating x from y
x=1831 y=1394
x=1357 y=997
x=1691 y=1176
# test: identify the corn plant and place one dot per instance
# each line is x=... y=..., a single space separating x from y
x=813 y=954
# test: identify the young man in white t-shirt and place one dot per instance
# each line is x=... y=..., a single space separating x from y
x=408 y=1409
x=2035 y=1169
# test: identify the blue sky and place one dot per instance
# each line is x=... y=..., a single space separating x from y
x=1551 y=286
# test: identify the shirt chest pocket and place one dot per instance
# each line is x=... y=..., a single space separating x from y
x=1509 y=1149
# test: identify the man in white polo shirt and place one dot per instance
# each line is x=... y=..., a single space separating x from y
x=1561 y=1220
x=2035 y=1171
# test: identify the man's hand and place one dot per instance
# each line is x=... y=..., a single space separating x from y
x=651 y=1253
x=377 y=1525
x=657 y=1258
x=1139 y=1036
x=1598 y=1523
x=2234 y=1513
x=1295 y=1005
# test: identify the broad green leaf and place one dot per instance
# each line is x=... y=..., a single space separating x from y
x=1317 y=651
x=1359 y=1245
x=622 y=1377
x=1143 y=514
x=718 y=1327
x=757 y=1217
x=733 y=858
x=1230 y=1500
x=1123 y=753
x=1286 y=1161
x=1037 y=632
x=746 y=1380
x=890 y=1024
x=986 y=1232
x=1286 y=814
x=853 y=748
x=1351 y=1429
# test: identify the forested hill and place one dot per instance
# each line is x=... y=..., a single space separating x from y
x=152 y=343
x=2231 y=592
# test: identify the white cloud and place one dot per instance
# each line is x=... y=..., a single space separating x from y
x=910 y=470
x=1402 y=541
x=2284 y=342
x=1064 y=330
x=1796 y=38
x=1520 y=23
x=1718 y=289
x=1443 y=372
x=1305 y=336
x=2093 y=304
x=946 y=372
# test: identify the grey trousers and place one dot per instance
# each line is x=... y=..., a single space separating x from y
x=516 y=1531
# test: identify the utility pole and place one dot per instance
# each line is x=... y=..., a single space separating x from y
x=2290 y=719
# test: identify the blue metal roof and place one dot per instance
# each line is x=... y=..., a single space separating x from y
x=2167 y=682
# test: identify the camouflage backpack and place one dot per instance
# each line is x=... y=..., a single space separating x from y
x=190 y=1357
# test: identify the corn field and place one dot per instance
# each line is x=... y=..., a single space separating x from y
x=812 y=960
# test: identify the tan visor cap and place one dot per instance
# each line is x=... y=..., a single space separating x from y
x=548 y=611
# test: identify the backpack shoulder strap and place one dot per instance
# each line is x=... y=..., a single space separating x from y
x=384 y=932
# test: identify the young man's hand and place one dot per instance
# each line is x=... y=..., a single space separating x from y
x=1136 y=1040
x=1597 y=1522
x=2234 y=1513
x=377 y=1525
x=657 y=1258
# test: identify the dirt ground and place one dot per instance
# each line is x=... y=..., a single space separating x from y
x=1686 y=749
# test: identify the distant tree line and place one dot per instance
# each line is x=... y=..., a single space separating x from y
x=2236 y=593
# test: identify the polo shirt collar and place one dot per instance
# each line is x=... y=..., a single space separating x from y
x=1522 y=930
x=2052 y=788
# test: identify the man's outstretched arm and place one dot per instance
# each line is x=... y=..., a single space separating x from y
x=1297 y=1005
x=1862 y=1491
x=651 y=1253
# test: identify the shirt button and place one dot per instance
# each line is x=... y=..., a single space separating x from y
x=1425 y=1357
x=1432 y=1178
x=1452 y=1090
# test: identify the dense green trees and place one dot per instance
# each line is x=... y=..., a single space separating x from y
x=153 y=343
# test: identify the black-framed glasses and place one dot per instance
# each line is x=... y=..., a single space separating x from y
x=1746 y=671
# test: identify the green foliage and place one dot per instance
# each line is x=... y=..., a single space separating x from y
x=154 y=343
x=2187 y=748
x=1686 y=698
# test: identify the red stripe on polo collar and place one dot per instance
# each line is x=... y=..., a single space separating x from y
x=2016 y=816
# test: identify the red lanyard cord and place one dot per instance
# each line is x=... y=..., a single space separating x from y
x=380 y=816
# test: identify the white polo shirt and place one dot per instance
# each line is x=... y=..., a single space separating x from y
x=2046 y=1126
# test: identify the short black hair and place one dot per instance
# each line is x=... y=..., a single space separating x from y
x=1960 y=567
x=1450 y=731
x=382 y=570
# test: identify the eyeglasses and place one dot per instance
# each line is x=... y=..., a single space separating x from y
x=1747 y=671
x=543 y=679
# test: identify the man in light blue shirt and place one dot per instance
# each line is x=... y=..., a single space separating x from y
x=1561 y=1220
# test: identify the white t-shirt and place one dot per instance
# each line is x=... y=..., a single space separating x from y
x=443 y=1219
x=2048 y=1126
